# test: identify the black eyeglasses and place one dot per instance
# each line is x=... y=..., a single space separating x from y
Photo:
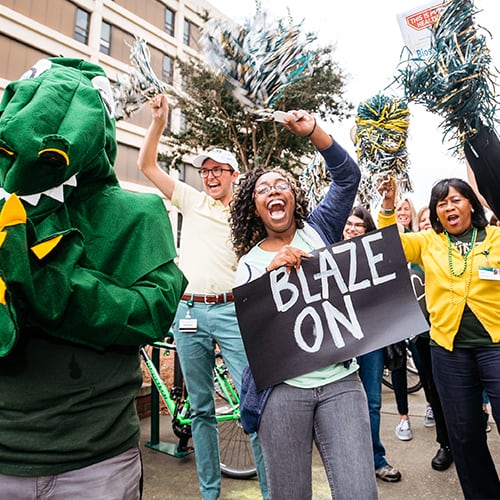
x=216 y=171
x=264 y=189
x=357 y=225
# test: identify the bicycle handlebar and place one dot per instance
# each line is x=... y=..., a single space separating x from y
x=167 y=343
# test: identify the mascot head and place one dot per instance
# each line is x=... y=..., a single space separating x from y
x=57 y=135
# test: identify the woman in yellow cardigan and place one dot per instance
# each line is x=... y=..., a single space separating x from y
x=461 y=259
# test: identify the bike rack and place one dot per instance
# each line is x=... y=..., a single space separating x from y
x=154 y=443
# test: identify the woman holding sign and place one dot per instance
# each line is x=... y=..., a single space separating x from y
x=461 y=259
x=271 y=228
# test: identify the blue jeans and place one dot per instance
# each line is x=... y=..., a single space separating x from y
x=371 y=371
x=460 y=377
x=216 y=323
x=335 y=417
x=117 y=478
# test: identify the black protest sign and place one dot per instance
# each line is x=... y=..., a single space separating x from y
x=418 y=283
x=349 y=299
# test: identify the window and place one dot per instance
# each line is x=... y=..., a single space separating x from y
x=81 y=32
x=162 y=164
x=105 y=46
x=168 y=126
x=182 y=172
x=183 y=81
x=182 y=122
x=187 y=32
x=168 y=69
x=191 y=35
x=169 y=21
x=119 y=47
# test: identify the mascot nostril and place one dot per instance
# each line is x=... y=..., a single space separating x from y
x=87 y=275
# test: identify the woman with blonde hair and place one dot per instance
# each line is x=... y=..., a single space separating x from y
x=406 y=216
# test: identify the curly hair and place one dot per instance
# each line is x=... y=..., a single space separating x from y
x=247 y=228
x=440 y=191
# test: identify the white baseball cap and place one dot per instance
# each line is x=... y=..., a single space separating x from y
x=220 y=156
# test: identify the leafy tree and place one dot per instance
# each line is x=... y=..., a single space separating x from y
x=215 y=117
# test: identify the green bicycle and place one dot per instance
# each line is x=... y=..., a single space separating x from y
x=235 y=450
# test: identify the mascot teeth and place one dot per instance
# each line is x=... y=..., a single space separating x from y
x=56 y=193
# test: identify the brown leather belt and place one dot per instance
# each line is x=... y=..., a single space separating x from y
x=209 y=298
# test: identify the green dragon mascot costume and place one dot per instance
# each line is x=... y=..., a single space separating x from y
x=87 y=274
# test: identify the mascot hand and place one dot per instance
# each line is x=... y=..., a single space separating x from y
x=8 y=326
x=14 y=251
x=35 y=281
x=12 y=219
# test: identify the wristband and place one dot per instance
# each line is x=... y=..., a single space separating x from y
x=313 y=129
x=387 y=211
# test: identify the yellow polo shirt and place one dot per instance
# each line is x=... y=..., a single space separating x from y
x=206 y=253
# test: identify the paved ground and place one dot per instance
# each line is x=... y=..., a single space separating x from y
x=172 y=478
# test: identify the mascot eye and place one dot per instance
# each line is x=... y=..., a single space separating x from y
x=55 y=156
x=40 y=67
x=5 y=151
x=101 y=83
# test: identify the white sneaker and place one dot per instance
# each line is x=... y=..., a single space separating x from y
x=403 y=430
x=429 y=417
x=488 y=426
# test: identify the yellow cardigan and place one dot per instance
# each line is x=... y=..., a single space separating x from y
x=430 y=251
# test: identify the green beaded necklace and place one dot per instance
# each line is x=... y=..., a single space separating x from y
x=469 y=250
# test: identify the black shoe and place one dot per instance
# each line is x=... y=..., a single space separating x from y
x=443 y=459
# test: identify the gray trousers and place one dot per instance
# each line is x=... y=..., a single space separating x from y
x=335 y=417
x=117 y=478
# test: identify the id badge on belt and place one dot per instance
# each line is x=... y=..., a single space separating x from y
x=188 y=324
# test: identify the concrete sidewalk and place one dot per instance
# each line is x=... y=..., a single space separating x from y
x=166 y=477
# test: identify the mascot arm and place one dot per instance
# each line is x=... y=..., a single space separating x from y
x=44 y=286
x=14 y=267
x=101 y=313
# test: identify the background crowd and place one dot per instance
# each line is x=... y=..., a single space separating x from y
x=452 y=248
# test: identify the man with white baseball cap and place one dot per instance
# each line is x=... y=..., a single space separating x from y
x=219 y=155
x=209 y=263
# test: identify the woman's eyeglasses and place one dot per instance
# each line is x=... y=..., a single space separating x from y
x=264 y=189
x=216 y=171
x=356 y=225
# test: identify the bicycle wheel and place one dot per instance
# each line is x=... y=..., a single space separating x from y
x=236 y=457
x=413 y=379
x=386 y=379
x=221 y=367
x=414 y=382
